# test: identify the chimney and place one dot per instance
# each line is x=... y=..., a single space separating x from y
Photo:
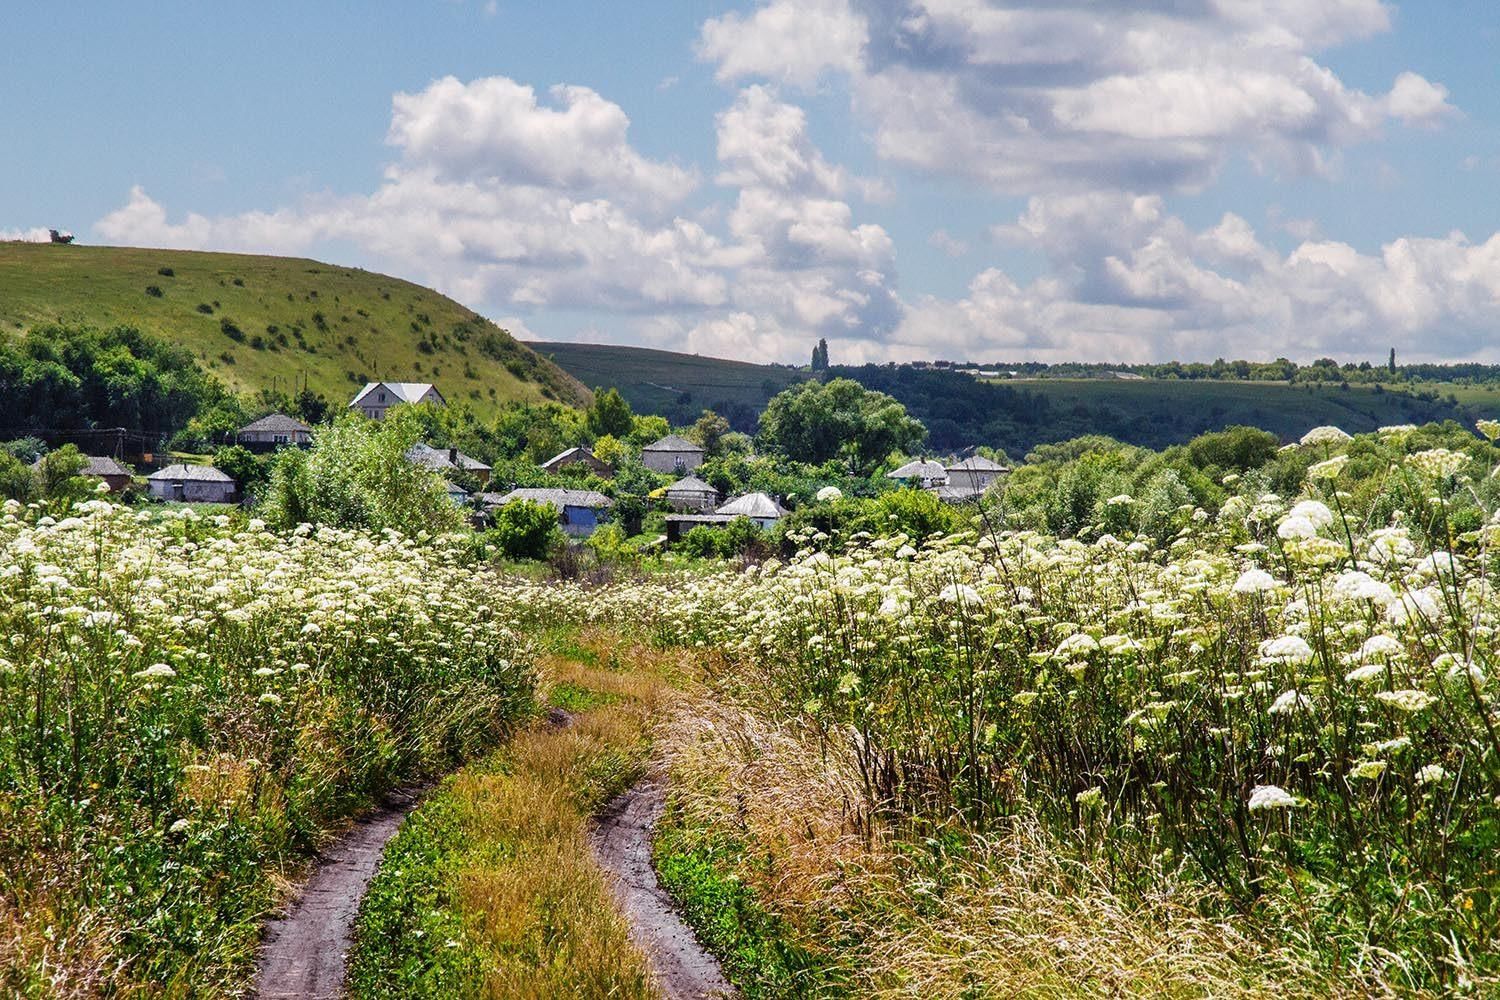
x=453 y=456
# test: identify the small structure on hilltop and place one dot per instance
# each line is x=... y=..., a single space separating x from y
x=578 y=456
x=758 y=507
x=578 y=510
x=927 y=473
x=378 y=397
x=692 y=494
x=273 y=431
x=447 y=461
x=672 y=453
x=975 y=473
x=192 y=484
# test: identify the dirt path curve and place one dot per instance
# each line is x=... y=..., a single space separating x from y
x=622 y=844
x=304 y=951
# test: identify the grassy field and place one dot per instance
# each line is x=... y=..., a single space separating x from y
x=262 y=322
x=677 y=386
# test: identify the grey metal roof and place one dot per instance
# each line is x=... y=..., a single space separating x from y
x=437 y=459
x=406 y=392
x=673 y=442
x=753 y=505
x=190 y=473
x=276 y=423
x=920 y=469
x=691 y=484
x=574 y=454
x=955 y=494
x=978 y=463
x=556 y=498
x=99 y=465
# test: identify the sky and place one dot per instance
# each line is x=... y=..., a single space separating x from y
x=1096 y=180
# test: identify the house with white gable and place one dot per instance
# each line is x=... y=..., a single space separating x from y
x=377 y=397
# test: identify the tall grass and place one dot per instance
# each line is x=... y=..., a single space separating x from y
x=187 y=704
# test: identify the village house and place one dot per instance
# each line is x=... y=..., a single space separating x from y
x=191 y=484
x=378 y=397
x=114 y=475
x=578 y=456
x=691 y=494
x=578 y=511
x=672 y=454
x=975 y=473
x=274 y=431
x=928 y=474
x=447 y=461
x=758 y=507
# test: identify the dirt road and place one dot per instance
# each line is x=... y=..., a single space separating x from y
x=304 y=951
x=683 y=969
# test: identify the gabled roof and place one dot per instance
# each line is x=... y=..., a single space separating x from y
x=406 y=392
x=920 y=469
x=276 y=423
x=691 y=484
x=438 y=460
x=978 y=463
x=190 y=473
x=103 y=466
x=753 y=505
x=572 y=455
x=556 y=498
x=672 y=442
x=955 y=494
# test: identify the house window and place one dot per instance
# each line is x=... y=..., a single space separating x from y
x=282 y=439
x=382 y=397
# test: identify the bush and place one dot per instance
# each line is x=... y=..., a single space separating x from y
x=166 y=272
x=154 y=291
x=205 y=309
x=525 y=529
x=228 y=327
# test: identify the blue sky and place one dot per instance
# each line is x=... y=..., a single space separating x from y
x=907 y=178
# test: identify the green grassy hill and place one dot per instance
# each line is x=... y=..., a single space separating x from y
x=1017 y=415
x=676 y=386
x=262 y=322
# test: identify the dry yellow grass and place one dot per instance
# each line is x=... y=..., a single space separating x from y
x=1008 y=915
x=530 y=894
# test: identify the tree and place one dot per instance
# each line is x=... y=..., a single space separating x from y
x=525 y=529
x=609 y=414
x=709 y=431
x=58 y=475
x=817 y=421
x=1391 y=365
x=820 y=356
x=248 y=470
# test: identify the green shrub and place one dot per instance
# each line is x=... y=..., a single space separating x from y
x=525 y=529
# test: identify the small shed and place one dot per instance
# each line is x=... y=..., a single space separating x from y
x=758 y=507
x=976 y=473
x=114 y=475
x=673 y=454
x=191 y=484
x=273 y=431
x=578 y=456
x=927 y=473
x=447 y=461
x=680 y=524
x=692 y=494
x=578 y=510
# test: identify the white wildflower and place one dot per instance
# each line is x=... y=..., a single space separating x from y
x=1264 y=797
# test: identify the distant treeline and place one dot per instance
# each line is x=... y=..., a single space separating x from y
x=960 y=411
x=1280 y=370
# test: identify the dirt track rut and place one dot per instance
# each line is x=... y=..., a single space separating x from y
x=683 y=969
x=304 y=952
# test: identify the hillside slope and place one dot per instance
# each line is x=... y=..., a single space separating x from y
x=272 y=322
x=676 y=386
x=1017 y=415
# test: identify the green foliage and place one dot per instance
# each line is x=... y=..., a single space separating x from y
x=645 y=429
x=609 y=414
x=817 y=421
x=17 y=482
x=249 y=470
x=1234 y=449
x=68 y=376
x=357 y=475
x=58 y=476
x=525 y=529
x=709 y=431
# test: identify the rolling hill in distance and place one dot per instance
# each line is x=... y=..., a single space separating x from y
x=1016 y=415
x=274 y=322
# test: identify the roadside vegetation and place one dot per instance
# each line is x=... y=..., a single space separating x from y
x=188 y=704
